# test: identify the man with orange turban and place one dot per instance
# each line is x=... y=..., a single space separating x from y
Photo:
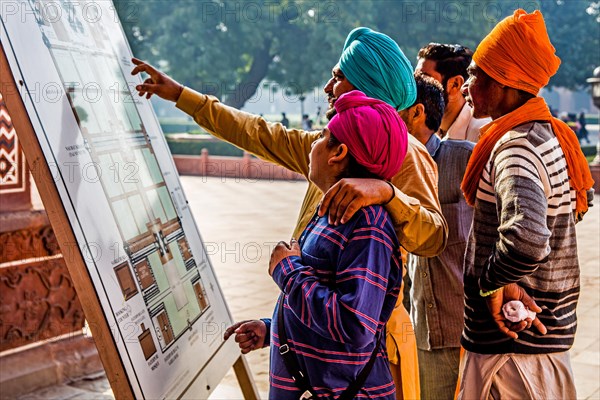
x=529 y=184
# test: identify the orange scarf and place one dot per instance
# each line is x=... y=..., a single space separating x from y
x=580 y=178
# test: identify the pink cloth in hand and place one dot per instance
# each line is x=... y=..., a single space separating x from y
x=515 y=311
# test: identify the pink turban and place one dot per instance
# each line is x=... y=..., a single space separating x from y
x=375 y=134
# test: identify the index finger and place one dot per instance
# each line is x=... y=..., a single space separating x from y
x=351 y=209
x=539 y=326
x=141 y=66
x=326 y=202
x=229 y=331
x=342 y=200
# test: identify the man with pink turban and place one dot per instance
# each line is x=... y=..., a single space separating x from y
x=340 y=283
x=528 y=182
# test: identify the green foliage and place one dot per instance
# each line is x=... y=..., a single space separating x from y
x=589 y=151
x=311 y=45
x=574 y=29
x=227 y=47
x=415 y=24
x=178 y=126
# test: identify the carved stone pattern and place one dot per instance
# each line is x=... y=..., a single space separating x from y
x=28 y=243
x=37 y=302
x=12 y=162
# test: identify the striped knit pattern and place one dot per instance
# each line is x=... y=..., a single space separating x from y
x=523 y=231
x=338 y=296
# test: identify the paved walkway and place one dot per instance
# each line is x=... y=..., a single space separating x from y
x=241 y=220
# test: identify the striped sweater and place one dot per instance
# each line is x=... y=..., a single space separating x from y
x=523 y=231
x=338 y=296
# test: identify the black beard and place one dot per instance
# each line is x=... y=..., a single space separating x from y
x=330 y=113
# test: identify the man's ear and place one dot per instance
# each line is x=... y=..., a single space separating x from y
x=454 y=84
x=339 y=154
x=418 y=111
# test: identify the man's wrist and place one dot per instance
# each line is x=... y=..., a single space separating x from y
x=267 y=322
x=393 y=193
x=181 y=87
x=488 y=293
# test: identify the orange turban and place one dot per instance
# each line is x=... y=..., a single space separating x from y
x=518 y=53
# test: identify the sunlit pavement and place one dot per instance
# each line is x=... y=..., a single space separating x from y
x=240 y=222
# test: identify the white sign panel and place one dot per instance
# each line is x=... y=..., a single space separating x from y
x=120 y=189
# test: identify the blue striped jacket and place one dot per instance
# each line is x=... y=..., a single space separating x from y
x=338 y=295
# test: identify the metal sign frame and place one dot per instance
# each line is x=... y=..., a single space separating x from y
x=113 y=196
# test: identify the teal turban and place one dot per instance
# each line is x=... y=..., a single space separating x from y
x=375 y=65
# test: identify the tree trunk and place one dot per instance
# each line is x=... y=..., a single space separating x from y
x=261 y=59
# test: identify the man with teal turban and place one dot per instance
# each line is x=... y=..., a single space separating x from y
x=377 y=67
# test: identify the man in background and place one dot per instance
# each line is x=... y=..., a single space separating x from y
x=447 y=63
x=284 y=121
x=437 y=294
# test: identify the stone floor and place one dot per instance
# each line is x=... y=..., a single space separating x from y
x=241 y=220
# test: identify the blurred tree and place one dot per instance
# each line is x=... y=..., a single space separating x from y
x=415 y=24
x=574 y=29
x=311 y=46
x=227 y=47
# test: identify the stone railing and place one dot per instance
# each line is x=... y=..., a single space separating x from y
x=246 y=167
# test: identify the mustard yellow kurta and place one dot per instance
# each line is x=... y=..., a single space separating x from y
x=415 y=209
x=401 y=347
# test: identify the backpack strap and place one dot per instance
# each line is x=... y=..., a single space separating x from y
x=289 y=358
